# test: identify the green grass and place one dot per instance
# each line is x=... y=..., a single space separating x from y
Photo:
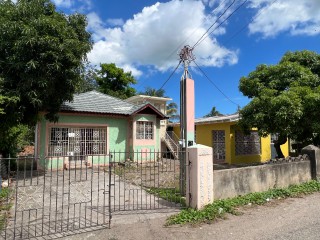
x=4 y=205
x=219 y=208
x=169 y=194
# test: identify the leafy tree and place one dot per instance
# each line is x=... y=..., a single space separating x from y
x=153 y=92
x=213 y=112
x=114 y=81
x=285 y=99
x=42 y=52
x=87 y=81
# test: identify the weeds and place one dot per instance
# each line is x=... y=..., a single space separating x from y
x=169 y=194
x=219 y=208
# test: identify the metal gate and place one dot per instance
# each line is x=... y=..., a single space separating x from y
x=49 y=200
x=66 y=195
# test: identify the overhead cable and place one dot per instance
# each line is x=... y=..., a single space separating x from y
x=215 y=85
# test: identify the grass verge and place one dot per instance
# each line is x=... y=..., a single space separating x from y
x=169 y=194
x=4 y=205
x=219 y=208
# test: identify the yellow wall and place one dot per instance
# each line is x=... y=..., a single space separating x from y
x=204 y=136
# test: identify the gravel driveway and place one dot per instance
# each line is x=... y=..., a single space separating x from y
x=293 y=219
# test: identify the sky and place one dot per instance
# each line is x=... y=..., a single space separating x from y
x=145 y=37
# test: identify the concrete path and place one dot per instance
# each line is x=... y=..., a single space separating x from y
x=293 y=219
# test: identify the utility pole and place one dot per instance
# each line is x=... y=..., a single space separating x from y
x=187 y=138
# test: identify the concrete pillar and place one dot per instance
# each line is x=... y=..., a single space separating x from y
x=314 y=154
x=199 y=187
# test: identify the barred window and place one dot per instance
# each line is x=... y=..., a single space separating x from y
x=247 y=144
x=77 y=141
x=144 y=130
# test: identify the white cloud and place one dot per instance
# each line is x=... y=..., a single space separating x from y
x=75 y=5
x=294 y=16
x=154 y=36
x=63 y=3
x=115 y=21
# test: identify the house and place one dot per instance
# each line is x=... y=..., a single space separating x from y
x=159 y=102
x=95 y=124
x=229 y=143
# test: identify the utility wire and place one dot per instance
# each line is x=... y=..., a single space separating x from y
x=252 y=19
x=199 y=42
x=215 y=85
x=170 y=75
x=196 y=29
x=203 y=35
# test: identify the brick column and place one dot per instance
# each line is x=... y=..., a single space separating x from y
x=314 y=154
x=199 y=190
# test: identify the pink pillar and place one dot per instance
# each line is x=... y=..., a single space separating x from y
x=190 y=110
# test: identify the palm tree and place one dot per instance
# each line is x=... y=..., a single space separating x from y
x=172 y=109
x=213 y=112
x=153 y=92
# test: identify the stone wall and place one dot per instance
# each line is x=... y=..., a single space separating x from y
x=240 y=181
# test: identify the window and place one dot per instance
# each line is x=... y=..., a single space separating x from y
x=144 y=130
x=247 y=144
x=77 y=141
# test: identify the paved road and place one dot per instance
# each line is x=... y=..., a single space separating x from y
x=294 y=219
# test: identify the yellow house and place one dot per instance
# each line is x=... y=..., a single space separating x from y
x=229 y=143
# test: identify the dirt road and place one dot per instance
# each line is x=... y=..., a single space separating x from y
x=293 y=219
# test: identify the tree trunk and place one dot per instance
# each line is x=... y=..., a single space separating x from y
x=282 y=139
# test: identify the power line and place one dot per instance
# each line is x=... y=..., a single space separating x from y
x=196 y=29
x=170 y=75
x=199 y=42
x=215 y=85
x=252 y=19
x=213 y=23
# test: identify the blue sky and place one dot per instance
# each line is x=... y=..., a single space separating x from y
x=144 y=37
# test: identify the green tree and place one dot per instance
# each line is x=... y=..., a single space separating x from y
x=213 y=112
x=153 y=92
x=285 y=99
x=115 y=81
x=42 y=52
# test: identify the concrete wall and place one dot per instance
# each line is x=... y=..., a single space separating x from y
x=239 y=181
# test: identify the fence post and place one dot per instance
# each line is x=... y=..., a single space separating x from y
x=199 y=191
x=314 y=155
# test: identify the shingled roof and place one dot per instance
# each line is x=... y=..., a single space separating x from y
x=96 y=102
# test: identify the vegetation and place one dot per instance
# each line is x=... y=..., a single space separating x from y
x=115 y=81
x=169 y=194
x=41 y=52
x=213 y=112
x=285 y=99
x=219 y=208
x=4 y=206
x=153 y=92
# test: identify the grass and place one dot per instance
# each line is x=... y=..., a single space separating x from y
x=169 y=194
x=4 y=205
x=219 y=208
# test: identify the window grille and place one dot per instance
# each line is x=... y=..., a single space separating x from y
x=247 y=144
x=144 y=130
x=218 y=144
x=77 y=141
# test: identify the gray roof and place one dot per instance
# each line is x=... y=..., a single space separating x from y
x=216 y=119
x=96 y=102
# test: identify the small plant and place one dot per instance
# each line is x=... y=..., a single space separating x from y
x=219 y=208
x=169 y=194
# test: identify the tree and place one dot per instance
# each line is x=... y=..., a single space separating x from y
x=213 y=112
x=115 y=81
x=42 y=52
x=153 y=92
x=172 y=112
x=285 y=99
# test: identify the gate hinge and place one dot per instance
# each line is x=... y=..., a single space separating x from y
x=190 y=197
